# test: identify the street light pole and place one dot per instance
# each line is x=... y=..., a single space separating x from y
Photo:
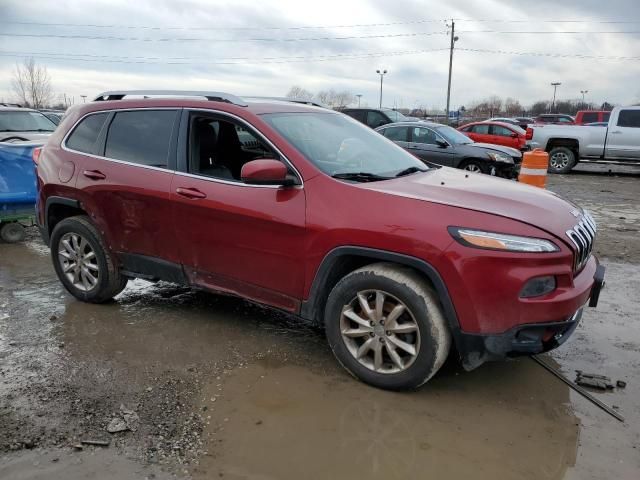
x=454 y=39
x=359 y=95
x=583 y=92
x=84 y=98
x=553 y=103
x=382 y=74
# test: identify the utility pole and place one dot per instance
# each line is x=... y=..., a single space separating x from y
x=382 y=74
x=359 y=95
x=553 y=103
x=454 y=39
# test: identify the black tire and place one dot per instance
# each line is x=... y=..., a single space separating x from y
x=474 y=166
x=421 y=302
x=561 y=160
x=109 y=281
x=12 y=232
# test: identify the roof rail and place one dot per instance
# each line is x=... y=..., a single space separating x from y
x=212 y=96
x=289 y=99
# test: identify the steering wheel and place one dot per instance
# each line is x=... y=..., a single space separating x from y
x=14 y=138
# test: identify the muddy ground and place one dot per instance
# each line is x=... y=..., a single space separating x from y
x=222 y=388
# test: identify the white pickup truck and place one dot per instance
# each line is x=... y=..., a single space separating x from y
x=617 y=143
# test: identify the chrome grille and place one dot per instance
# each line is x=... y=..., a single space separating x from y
x=582 y=236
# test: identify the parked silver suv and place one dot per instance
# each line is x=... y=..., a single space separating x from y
x=23 y=124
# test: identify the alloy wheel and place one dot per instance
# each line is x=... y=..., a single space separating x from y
x=472 y=167
x=78 y=261
x=559 y=160
x=380 y=332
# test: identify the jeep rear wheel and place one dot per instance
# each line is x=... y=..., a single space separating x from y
x=386 y=327
x=82 y=263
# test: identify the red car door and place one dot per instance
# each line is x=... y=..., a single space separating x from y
x=235 y=237
x=481 y=133
x=126 y=185
x=504 y=136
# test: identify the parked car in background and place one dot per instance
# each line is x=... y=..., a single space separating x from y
x=376 y=117
x=584 y=117
x=54 y=115
x=498 y=133
x=555 y=118
x=21 y=124
x=618 y=143
x=511 y=121
x=444 y=145
x=524 y=122
x=320 y=217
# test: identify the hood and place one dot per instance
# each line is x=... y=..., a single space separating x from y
x=484 y=193
x=512 y=152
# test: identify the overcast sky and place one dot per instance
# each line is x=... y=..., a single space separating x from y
x=262 y=47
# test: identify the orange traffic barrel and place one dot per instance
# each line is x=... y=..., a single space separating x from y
x=534 y=168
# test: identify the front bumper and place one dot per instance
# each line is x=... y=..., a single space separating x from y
x=525 y=339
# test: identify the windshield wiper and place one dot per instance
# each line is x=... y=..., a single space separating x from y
x=409 y=171
x=360 y=176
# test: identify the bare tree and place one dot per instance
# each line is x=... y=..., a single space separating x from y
x=31 y=83
x=512 y=107
x=299 y=93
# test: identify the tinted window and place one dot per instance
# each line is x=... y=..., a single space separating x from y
x=501 y=131
x=481 y=129
x=605 y=116
x=376 y=119
x=589 y=117
x=397 y=134
x=219 y=148
x=564 y=120
x=141 y=136
x=84 y=136
x=359 y=115
x=629 y=118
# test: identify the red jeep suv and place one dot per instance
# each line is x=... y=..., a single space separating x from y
x=306 y=210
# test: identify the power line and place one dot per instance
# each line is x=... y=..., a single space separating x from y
x=314 y=27
x=200 y=39
x=552 y=55
x=225 y=61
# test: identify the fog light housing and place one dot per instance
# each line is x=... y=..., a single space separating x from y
x=538 y=286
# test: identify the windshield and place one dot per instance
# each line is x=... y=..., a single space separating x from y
x=453 y=136
x=25 y=122
x=395 y=116
x=338 y=144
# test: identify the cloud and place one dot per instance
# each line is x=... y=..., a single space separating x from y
x=81 y=66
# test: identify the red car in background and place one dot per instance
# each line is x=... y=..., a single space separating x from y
x=498 y=133
x=591 y=116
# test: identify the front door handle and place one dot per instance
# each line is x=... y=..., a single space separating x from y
x=94 y=174
x=190 y=192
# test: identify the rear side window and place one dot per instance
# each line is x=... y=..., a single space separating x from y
x=481 y=129
x=141 y=136
x=397 y=134
x=376 y=119
x=605 y=116
x=589 y=117
x=84 y=136
x=629 y=118
x=357 y=114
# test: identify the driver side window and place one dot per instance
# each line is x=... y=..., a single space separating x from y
x=424 y=135
x=219 y=148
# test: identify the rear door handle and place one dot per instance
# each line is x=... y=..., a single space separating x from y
x=190 y=192
x=616 y=131
x=94 y=174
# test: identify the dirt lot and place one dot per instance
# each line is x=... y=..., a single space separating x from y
x=212 y=386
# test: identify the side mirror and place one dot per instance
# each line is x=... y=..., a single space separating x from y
x=441 y=143
x=265 y=172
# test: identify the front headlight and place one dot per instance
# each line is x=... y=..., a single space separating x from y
x=499 y=157
x=501 y=241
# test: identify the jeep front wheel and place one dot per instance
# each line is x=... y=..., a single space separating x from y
x=83 y=264
x=386 y=327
